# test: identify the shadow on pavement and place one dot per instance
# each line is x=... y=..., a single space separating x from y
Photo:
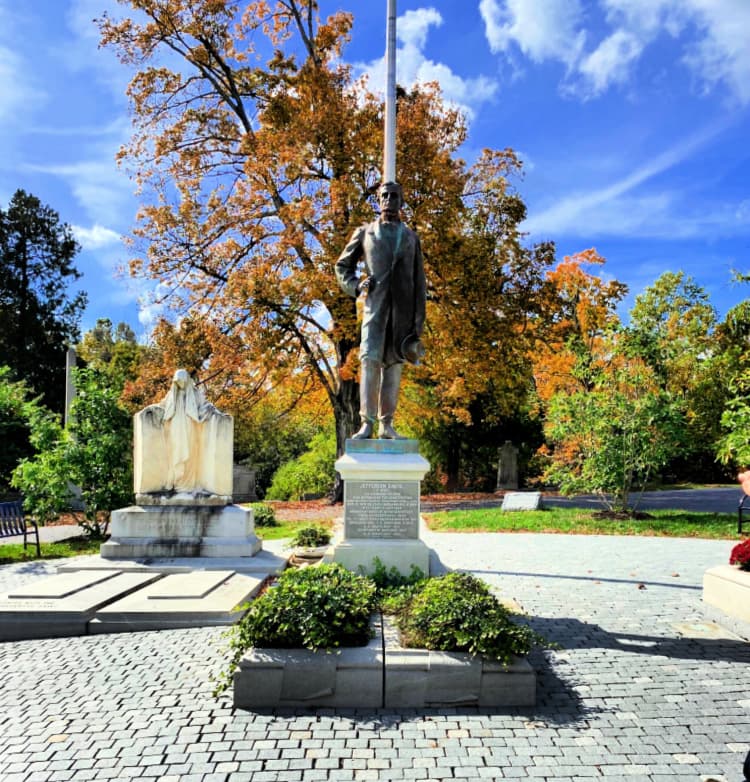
x=594 y=579
x=571 y=633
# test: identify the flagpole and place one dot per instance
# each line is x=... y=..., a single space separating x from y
x=389 y=141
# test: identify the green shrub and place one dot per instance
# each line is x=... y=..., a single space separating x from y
x=392 y=578
x=457 y=612
x=310 y=537
x=314 y=608
x=311 y=473
x=395 y=589
x=264 y=515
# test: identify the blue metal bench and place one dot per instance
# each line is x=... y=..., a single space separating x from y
x=13 y=522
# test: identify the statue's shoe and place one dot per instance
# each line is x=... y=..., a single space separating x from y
x=364 y=433
x=387 y=432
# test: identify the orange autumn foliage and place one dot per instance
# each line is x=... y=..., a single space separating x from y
x=583 y=309
x=255 y=154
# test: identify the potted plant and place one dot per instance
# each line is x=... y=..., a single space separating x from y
x=310 y=544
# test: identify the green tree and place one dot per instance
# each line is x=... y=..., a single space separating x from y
x=43 y=477
x=38 y=317
x=94 y=453
x=311 y=473
x=732 y=363
x=672 y=328
x=16 y=409
x=671 y=324
x=115 y=352
x=610 y=440
x=733 y=447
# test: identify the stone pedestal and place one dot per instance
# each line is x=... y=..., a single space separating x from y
x=726 y=598
x=381 y=506
x=181 y=531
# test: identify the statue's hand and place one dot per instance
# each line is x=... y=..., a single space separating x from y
x=365 y=285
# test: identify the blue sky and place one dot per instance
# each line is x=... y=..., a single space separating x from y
x=632 y=117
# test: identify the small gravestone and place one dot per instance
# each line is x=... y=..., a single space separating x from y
x=243 y=484
x=507 y=468
x=522 y=500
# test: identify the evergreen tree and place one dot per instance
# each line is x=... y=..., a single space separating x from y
x=38 y=317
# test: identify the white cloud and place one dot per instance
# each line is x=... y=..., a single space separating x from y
x=713 y=33
x=95 y=237
x=542 y=29
x=664 y=215
x=723 y=54
x=648 y=17
x=12 y=94
x=19 y=94
x=610 y=62
x=414 y=67
x=413 y=26
x=98 y=186
x=119 y=127
x=611 y=211
x=84 y=52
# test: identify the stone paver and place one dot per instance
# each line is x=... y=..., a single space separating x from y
x=639 y=688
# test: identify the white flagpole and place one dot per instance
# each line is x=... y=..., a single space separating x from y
x=389 y=143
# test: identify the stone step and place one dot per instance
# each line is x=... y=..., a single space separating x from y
x=101 y=596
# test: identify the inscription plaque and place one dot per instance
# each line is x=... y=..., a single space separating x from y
x=381 y=509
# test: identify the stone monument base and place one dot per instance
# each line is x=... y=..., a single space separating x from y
x=360 y=555
x=381 y=506
x=181 y=531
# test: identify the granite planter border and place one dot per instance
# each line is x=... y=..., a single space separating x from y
x=423 y=678
x=343 y=678
x=382 y=674
x=726 y=598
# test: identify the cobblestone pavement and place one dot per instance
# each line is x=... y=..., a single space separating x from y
x=641 y=688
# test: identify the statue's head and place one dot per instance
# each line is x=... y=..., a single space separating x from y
x=181 y=378
x=390 y=197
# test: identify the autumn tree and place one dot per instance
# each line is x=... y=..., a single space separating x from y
x=38 y=315
x=256 y=155
x=581 y=312
x=487 y=299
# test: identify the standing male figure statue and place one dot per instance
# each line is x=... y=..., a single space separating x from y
x=394 y=307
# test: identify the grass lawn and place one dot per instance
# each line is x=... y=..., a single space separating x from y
x=14 y=552
x=578 y=521
x=287 y=529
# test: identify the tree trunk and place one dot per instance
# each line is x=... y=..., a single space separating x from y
x=453 y=464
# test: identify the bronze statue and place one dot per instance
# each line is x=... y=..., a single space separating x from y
x=394 y=307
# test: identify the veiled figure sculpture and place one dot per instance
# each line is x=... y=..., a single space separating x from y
x=183 y=445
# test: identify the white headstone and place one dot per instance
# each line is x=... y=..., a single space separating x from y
x=522 y=500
